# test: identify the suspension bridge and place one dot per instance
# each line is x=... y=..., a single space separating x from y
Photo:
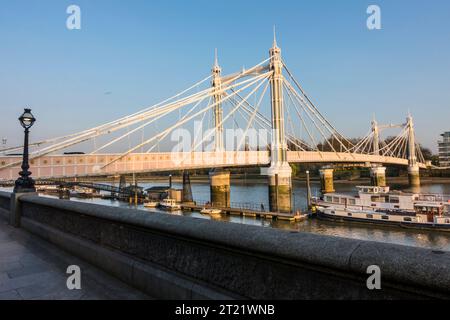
x=259 y=116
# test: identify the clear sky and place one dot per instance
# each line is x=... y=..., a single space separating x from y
x=132 y=54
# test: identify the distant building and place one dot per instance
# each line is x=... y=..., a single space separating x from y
x=444 y=150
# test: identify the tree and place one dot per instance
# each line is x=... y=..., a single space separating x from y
x=427 y=154
x=332 y=143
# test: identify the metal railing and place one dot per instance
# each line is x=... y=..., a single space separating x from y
x=434 y=197
x=234 y=205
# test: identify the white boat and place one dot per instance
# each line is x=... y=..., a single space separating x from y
x=169 y=204
x=210 y=211
x=151 y=204
x=381 y=206
x=47 y=188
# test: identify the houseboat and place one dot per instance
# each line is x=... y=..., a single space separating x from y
x=381 y=206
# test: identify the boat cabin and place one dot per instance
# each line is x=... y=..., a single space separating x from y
x=372 y=197
x=431 y=212
x=383 y=198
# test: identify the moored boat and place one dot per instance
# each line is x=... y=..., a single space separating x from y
x=211 y=211
x=169 y=205
x=381 y=206
x=151 y=204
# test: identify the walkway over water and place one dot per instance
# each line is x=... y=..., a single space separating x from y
x=31 y=268
x=60 y=166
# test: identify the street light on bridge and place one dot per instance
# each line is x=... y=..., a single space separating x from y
x=25 y=183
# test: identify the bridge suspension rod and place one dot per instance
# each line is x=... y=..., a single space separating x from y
x=256 y=79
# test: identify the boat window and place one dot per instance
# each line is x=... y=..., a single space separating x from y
x=333 y=212
x=447 y=220
x=349 y=214
x=370 y=216
x=343 y=201
x=378 y=199
x=351 y=201
x=407 y=219
x=335 y=200
x=328 y=199
x=394 y=200
x=385 y=217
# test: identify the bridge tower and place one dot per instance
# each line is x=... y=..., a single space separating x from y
x=377 y=172
x=413 y=167
x=280 y=172
x=216 y=84
x=219 y=179
x=376 y=138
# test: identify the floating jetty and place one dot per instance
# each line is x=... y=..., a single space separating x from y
x=292 y=217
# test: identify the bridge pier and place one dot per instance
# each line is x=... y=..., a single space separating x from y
x=378 y=176
x=187 y=190
x=219 y=181
x=280 y=188
x=326 y=180
x=414 y=176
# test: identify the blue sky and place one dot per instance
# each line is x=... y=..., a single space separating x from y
x=141 y=52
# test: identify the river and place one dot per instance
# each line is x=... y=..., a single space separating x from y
x=257 y=193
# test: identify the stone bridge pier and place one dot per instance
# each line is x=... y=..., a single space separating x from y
x=219 y=180
x=326 y=180
x=378 y=176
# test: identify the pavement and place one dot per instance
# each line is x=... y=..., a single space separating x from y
x=32 y=268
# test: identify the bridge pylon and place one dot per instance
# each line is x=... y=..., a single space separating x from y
x=413 y=167
x=376 y=138
x=280 y=172
x=216 y=84
x=219 y=179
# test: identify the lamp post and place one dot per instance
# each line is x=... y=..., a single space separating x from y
x=25 y=183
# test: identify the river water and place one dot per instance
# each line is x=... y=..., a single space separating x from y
x=256 y=193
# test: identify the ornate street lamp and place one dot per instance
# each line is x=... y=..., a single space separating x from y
x=25 y=183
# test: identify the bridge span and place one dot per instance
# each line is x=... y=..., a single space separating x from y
x=86 y=165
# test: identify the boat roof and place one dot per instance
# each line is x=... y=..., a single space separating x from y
x=341 y=194
x=429 y=204
x=158 y=189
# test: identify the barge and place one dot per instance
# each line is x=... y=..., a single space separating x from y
x=379 y=205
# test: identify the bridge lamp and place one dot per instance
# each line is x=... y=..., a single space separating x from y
x=25 y=183
x=27 y=119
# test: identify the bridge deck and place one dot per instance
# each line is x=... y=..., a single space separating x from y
x=60 y=166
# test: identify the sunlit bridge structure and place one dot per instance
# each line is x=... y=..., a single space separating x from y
x=259 y=116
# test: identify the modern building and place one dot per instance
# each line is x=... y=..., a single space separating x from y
x=444 y=150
